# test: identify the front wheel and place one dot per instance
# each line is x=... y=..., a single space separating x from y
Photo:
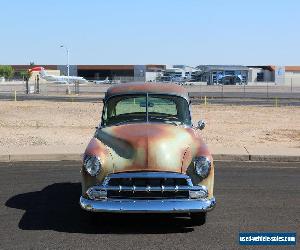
x=198 y=218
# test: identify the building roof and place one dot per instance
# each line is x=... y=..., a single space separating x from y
x=292 y=68
x=273 y=67
x=142 y=88
x=27 y=67
x=105 y=67
x=221 y=67
x=150 y=67
x=265 y=67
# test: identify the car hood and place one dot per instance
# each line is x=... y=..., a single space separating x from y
x=145 y=147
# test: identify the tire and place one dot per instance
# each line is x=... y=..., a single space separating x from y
x=198 y=218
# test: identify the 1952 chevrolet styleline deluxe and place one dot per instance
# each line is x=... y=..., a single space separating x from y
x=146 y=156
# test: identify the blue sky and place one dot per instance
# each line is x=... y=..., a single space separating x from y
x=188 y=32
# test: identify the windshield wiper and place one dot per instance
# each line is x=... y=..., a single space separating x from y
x=128 y=121
x=173 y=122
x=167 y=120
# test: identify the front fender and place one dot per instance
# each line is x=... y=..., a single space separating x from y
x=97 y=148
x=201 y=149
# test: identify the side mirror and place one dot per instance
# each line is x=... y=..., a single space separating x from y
x=201 y=125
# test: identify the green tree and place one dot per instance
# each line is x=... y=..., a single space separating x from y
x=25 y=74
x=6 y=71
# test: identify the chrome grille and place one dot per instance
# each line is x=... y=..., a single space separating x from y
x=148 y=185
x=143 y=182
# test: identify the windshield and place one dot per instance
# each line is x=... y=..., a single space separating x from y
x=146 y=108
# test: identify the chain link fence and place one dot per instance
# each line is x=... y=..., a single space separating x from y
x=196 y=90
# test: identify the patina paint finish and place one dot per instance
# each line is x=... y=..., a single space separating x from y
x=148 y=146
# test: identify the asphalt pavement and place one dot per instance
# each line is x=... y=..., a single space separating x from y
x=39 y=210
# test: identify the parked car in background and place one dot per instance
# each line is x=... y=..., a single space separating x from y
x=146 y=155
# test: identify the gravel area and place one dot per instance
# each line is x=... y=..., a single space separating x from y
x=37 y=123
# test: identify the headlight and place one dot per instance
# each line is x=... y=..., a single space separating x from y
x=92 y=164
x=202 y=166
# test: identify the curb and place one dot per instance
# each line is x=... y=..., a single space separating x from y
x=40 y=157
x=231 y=157
x=262 y=158
x=217 y=157
x=275 y=158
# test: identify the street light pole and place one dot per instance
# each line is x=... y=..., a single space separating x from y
x=68 y=67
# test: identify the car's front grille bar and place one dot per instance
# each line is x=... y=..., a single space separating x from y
x=153 y=185
x=150 y=188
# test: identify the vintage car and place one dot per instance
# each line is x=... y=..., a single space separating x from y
x=146 y=156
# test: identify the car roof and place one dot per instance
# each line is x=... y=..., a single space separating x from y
x=147 y=87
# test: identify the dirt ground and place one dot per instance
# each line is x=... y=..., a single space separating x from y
x=36 y=123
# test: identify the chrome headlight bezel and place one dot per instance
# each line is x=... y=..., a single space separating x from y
x=202 y=166
x=92 y=164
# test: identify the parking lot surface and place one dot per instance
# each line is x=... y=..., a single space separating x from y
x=39 y=210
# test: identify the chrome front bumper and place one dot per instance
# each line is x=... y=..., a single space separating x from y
x=148 y=206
